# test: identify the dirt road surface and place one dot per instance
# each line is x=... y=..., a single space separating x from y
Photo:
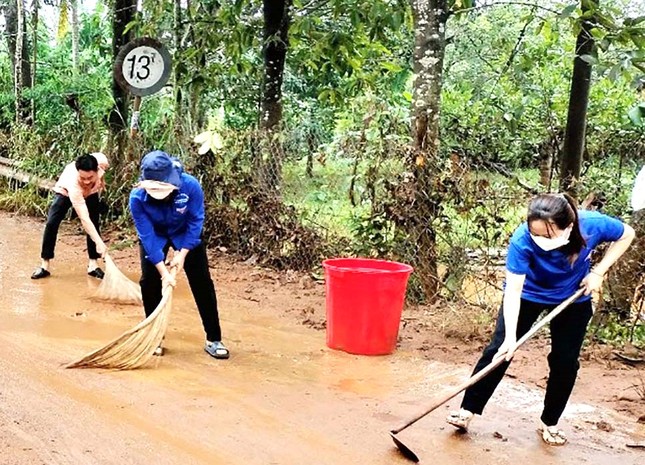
x=282 y=398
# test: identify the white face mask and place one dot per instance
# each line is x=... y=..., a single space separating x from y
x=157 y=189
x=552 y=243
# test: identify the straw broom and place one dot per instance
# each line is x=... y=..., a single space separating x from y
x=117 y=287
x=135 y=347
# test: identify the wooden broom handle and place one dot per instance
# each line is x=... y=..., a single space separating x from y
x=493 y=364
x=173 y=273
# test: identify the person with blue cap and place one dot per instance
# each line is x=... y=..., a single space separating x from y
x=167 y=206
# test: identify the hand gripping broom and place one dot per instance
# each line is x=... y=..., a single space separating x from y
x=135 y=347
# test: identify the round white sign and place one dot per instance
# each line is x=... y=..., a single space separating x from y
x=143 y=67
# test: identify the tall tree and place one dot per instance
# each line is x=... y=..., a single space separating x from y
x=74 y=23
x=122 y=15
x=275 y=35
x=10 y=9
x=18 y=60
x=574 y=137
x=178 y=66
x=34 y=31
x=429 y=49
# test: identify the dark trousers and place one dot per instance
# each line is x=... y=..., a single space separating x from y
x=567 y=334
x=57 y=211
x=201 y=285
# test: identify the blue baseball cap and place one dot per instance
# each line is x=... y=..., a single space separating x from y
x=159 y=166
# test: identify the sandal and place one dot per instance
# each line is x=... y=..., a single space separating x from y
x=217 y=350
x=460 y=419
x=96 y=273
x=40 y=273
x=551 y=435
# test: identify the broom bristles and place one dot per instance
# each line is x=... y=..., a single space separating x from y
x=135 y=347
x=117 y=287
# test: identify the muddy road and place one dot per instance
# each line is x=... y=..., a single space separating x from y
x=282 y=398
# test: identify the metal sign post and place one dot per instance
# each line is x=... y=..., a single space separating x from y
x=142 y=68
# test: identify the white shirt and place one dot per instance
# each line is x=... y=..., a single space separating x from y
x=638 y=192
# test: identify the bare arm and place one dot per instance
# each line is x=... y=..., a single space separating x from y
x=512 y=298
x=167 y=279
x=593 y=281
x=615 y=251
x=88 y=226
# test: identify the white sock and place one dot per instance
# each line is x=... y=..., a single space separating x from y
x=93 y=265
x=44 y=264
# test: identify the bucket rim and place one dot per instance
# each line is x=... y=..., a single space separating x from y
x=329 y=265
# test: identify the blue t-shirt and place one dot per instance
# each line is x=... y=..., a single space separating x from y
x=550 y=278
x=179 y=221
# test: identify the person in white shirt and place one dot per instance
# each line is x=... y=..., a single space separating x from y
x=78 y=186
x=638 y=191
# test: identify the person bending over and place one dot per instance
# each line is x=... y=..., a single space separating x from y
x=548 y=260
x=78 y=186
x=167 y=207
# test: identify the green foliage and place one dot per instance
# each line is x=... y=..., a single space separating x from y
x=612 y=330
x=502 y=101
x=346 y=119
x=22 y=200
x=637 y=115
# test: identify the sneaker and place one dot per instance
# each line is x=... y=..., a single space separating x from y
x=217 y=350
x=40 y=273
x=159 y=351
x=96 y=273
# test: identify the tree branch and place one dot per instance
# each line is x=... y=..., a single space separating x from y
x=507 y=174
x=481 y=7
x=479 y=55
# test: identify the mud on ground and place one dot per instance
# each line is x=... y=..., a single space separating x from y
x=283 y=397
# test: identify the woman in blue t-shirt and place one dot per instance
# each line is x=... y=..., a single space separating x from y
x=548 y=260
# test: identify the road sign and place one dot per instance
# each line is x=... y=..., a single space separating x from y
x=142 y=66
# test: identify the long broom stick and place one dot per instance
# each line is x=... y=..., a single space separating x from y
x=135 y=347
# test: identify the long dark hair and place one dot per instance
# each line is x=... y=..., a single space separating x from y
x=561 y=210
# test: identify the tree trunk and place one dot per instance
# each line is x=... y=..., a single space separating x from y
x=11 y=27
x=34 y=62
x=74 y=7
x=195 y=108
x=276 y=33
x=178 y=32
x=123 y=13
x=574 y=138
x=311 y=146
x=548 y=152
x=18 y=69
x=24 y=71
x=626 y=275
x=429 y=49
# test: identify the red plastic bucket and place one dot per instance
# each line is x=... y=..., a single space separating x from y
x=364 y=301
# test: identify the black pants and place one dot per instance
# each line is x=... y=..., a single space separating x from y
x=201 y=285
x=57 y=211
x=567 y=334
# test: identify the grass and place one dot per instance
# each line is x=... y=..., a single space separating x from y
x=27 y=200
x=324 y=202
